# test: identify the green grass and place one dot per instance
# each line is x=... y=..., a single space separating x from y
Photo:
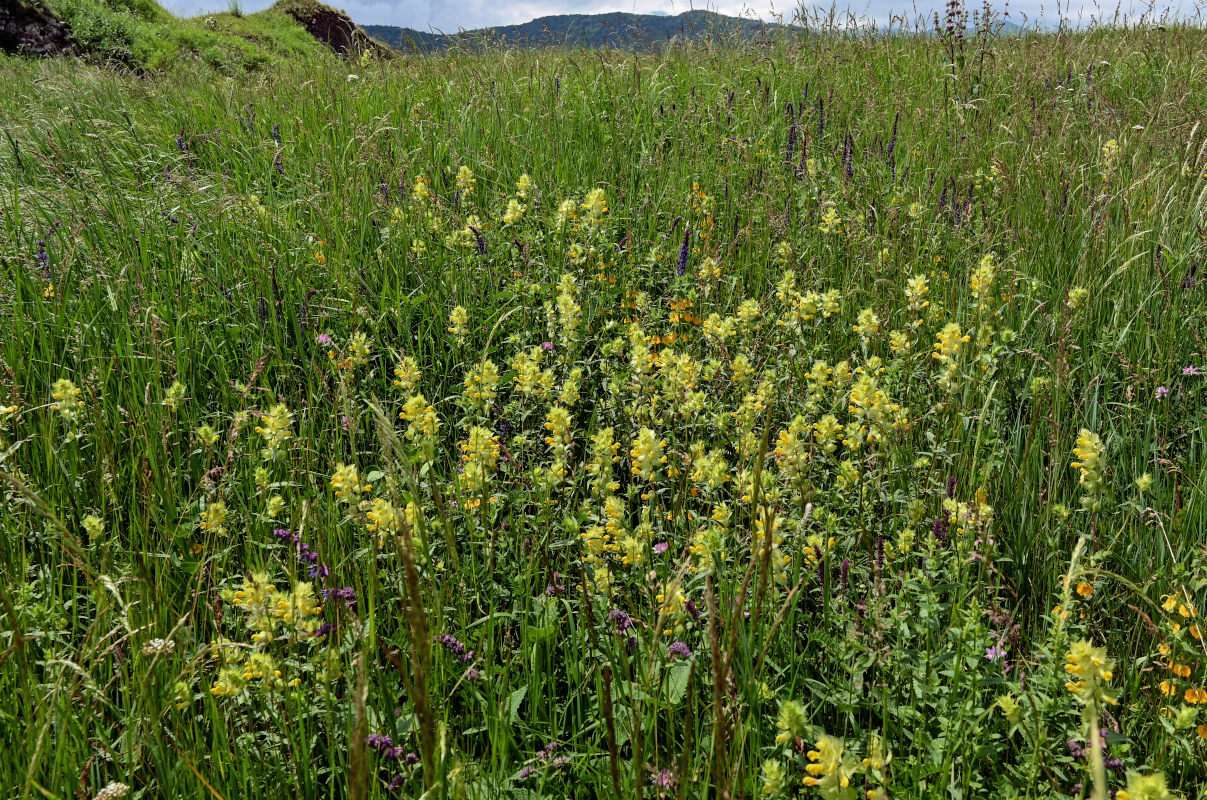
x=184 y=215
x=140 y=34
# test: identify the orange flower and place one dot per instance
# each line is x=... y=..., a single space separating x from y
x=1168 y=689
x=1202 y=729
x=1084 y=589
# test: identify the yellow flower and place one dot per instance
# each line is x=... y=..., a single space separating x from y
x=647 y=454
x=596 y=205
x=174 y=395
x=790 y=722
x=346 y=483
x=1145 y=787
x=458 y=321
x=524 y=185
x=207 y=435
x=275 y=430
x=466 y=180
x=67 y=399
x=1091 y=670
x=214 y=517
x=1089 y=451
x=421 y=416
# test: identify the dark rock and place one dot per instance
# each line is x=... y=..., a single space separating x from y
x=29 y=28
x=333 y=28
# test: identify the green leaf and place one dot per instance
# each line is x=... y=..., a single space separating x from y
x=677 y=682
x=513 y=703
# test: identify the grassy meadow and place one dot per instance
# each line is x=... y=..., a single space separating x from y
x=804 y=418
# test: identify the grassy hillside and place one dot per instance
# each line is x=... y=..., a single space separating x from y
x=140 y=34
x=818 y=419
x=618 y=30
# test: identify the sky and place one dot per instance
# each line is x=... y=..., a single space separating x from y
x=450 y=16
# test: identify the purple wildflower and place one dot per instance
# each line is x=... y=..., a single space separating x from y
x=1162 y=391
x=378 y=741
x=324 y=338
x=454 y=646
x=661 y=547
x=347 y=594
x=1192 y=370
x=995 y=653
x=681 y=267
x=620 y=619
x=678 y=650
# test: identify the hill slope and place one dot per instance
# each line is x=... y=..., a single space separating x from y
x=142 y=35
x=617 y=29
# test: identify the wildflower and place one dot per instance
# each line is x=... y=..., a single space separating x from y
x=647 y=455
x=1145 y=787
x=947 y=346
x=274 y=506
x=458 y=321
x=565 y=213
x=275 y=431
x=1144 y=483
x=421 y=416
x=383 y=518
x=790 y=722
x=831 y=221
x=524 y=186
x=1110 y=151
x=94 y=526
x=67 y=399
x=1009 y=707
x=678 y=650
x=596 y=205
x=514 y=213
x=1077 y=296
x=214 y=518
x=159 y=647
x=772 y=776
x=828 y=771
x=569 y=312
x=1085 y=589
x=1089 y=451
x=359 y=350
x=1162 y=391
x=466 y=180
x=114 y=790
x=346 y=483
x=173 y=396
x=1091 y=671
x=867 y=324
x=1191 y=370
x=480 y=452
x=207 y=435
x=981 y=282
x=407 y=375
x=481 y=384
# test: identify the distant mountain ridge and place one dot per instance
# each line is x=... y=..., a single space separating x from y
x=617 y=29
